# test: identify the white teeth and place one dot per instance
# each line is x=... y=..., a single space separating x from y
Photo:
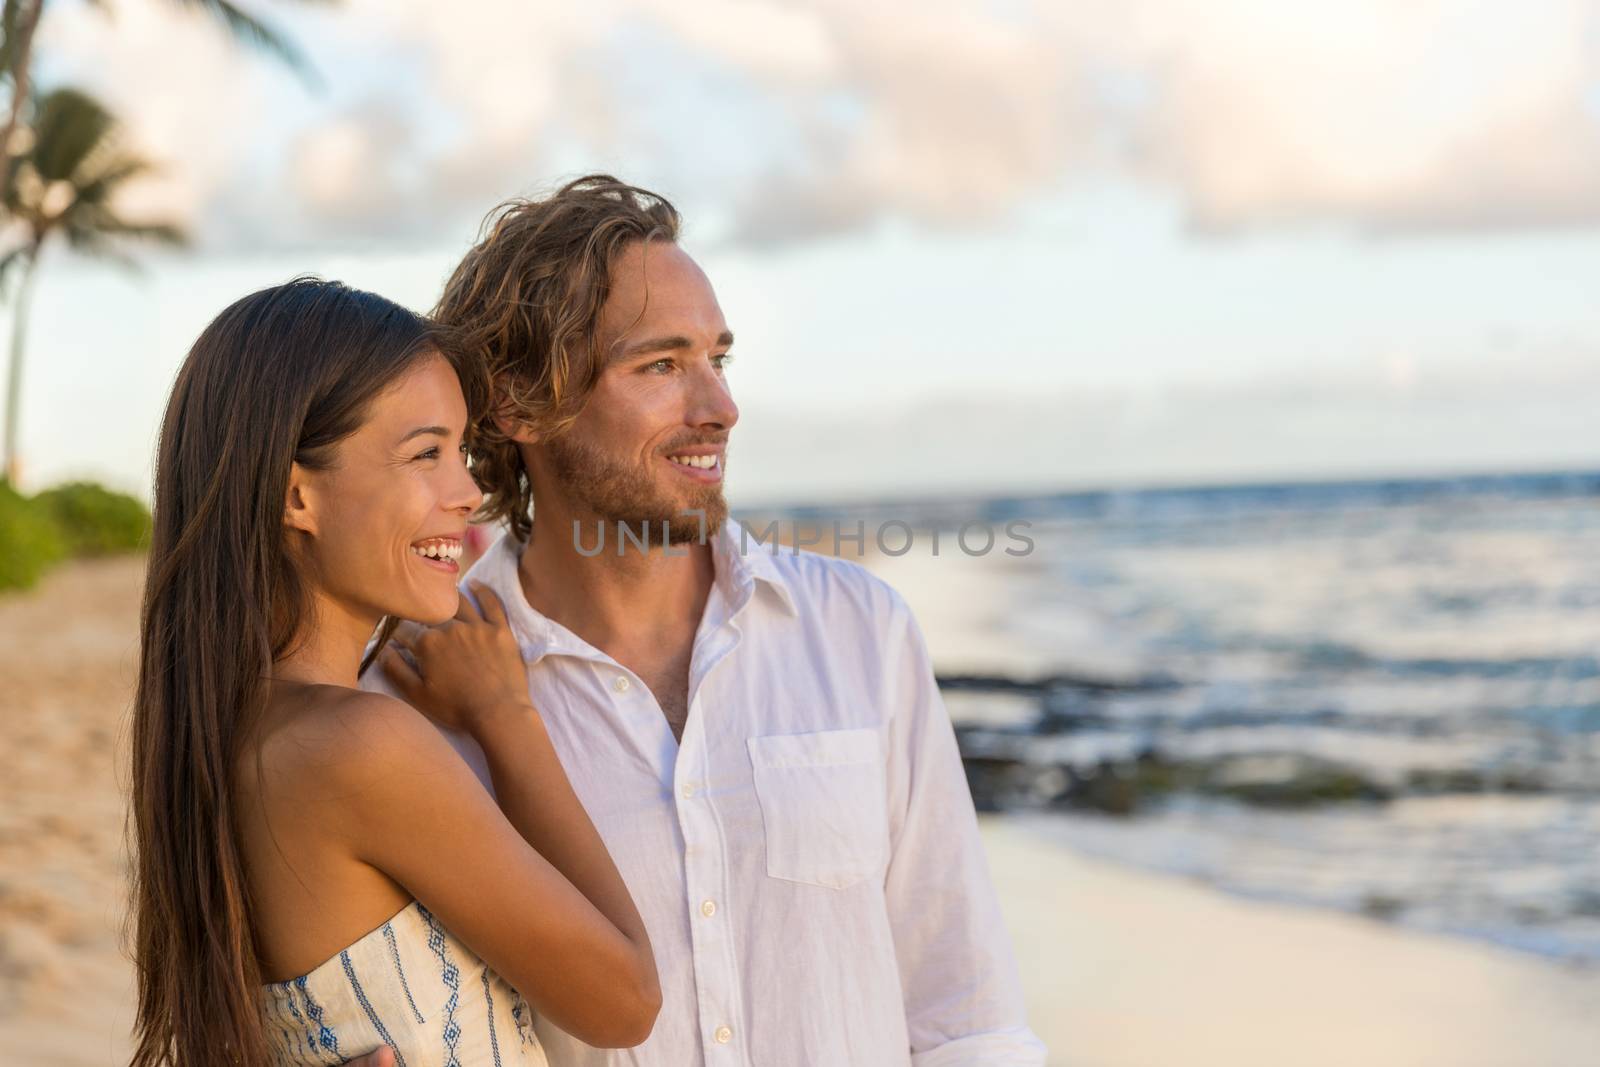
x=702 y=462
x=439 y=550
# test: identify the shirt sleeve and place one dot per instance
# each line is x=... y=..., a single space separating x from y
x=963 y=996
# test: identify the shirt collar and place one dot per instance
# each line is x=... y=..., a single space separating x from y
x=497 y=570
x=742 y=563
x=740 y=567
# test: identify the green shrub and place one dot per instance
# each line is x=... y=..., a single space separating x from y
x=29 y=540
x=94 y=521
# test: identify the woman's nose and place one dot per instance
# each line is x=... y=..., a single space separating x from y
x=464 y=492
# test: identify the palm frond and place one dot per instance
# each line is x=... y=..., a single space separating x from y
x=67 y=183
x=103 y=249
x=69 y=127
x=8 y=35
x=160 y=233
x=257 y=34
x=98 y=180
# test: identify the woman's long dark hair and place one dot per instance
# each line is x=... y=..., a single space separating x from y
x=281 y=376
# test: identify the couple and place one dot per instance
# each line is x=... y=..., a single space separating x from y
x=694 y=803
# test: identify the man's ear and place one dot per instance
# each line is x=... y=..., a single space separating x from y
x=508 y=423
x=298 y=512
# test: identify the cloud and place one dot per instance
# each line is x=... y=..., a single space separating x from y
x=947 y=117
x=1427 y=114
x=784 y=121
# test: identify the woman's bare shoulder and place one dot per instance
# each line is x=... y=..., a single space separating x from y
x=334 y=740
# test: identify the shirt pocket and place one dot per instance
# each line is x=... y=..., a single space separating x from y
x=823 y=800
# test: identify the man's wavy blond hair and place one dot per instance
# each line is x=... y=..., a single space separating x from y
x=525 y=303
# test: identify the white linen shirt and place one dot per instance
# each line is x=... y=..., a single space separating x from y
x=807 y=859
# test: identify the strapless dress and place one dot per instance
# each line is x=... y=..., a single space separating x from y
x=410 y=985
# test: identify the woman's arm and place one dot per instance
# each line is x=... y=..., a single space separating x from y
x=528 y=885
x=405 y=803
x=469 y=675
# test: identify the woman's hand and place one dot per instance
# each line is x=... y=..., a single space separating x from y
x=384 y=1057
x=463 y=672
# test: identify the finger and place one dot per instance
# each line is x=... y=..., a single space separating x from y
x=466 y=611
x=493 y=610
x=383 y=1057
x=407 y=632
x=427 y=642
x=402 y=675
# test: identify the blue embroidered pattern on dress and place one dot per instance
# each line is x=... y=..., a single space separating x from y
x=325 y=1036
x=305 y=1031
x=283 y=1029
x=451 y=977
x=394 y=954
x=366 y=1006
x=519 y=1009
x=488 y=1002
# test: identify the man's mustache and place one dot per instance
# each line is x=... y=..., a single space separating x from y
x=712 y=442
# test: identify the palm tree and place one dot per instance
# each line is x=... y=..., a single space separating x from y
x=19 y=19
x=65 y=186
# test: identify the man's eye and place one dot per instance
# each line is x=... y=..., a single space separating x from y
x=660 y=366
x=722 y=360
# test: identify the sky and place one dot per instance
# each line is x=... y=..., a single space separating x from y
x=1008 y=246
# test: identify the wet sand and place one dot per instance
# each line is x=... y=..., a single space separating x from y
x=1129 y=969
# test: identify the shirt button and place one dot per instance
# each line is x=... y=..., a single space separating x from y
x=708 y=908
x=621 y=684
x=687 y=790
x=723 y=1035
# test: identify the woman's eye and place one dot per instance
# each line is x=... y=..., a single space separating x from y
x=432 y=453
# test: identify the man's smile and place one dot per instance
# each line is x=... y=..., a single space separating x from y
x=701 y=465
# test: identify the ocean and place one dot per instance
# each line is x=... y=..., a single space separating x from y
x=1377 y=696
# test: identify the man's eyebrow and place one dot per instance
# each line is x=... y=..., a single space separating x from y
x=439 y=431
x=669 y=344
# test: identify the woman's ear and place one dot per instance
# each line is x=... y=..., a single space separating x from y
x=298 y=512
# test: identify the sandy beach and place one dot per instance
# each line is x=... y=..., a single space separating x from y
x=68 y=660
x=1122 y=968
x=1127 y=969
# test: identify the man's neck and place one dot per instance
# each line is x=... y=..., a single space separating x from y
x=621 y=603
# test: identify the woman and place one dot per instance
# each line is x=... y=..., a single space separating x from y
x=318 y=874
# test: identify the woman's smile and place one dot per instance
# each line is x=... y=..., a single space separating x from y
x=439 y=553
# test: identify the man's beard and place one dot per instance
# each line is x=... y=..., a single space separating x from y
x=615 y=492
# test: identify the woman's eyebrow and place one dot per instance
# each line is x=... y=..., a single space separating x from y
x=421 y=430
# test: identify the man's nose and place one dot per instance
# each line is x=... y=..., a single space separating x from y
x=710 y=401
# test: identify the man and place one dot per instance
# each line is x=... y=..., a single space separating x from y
x=756 y=735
